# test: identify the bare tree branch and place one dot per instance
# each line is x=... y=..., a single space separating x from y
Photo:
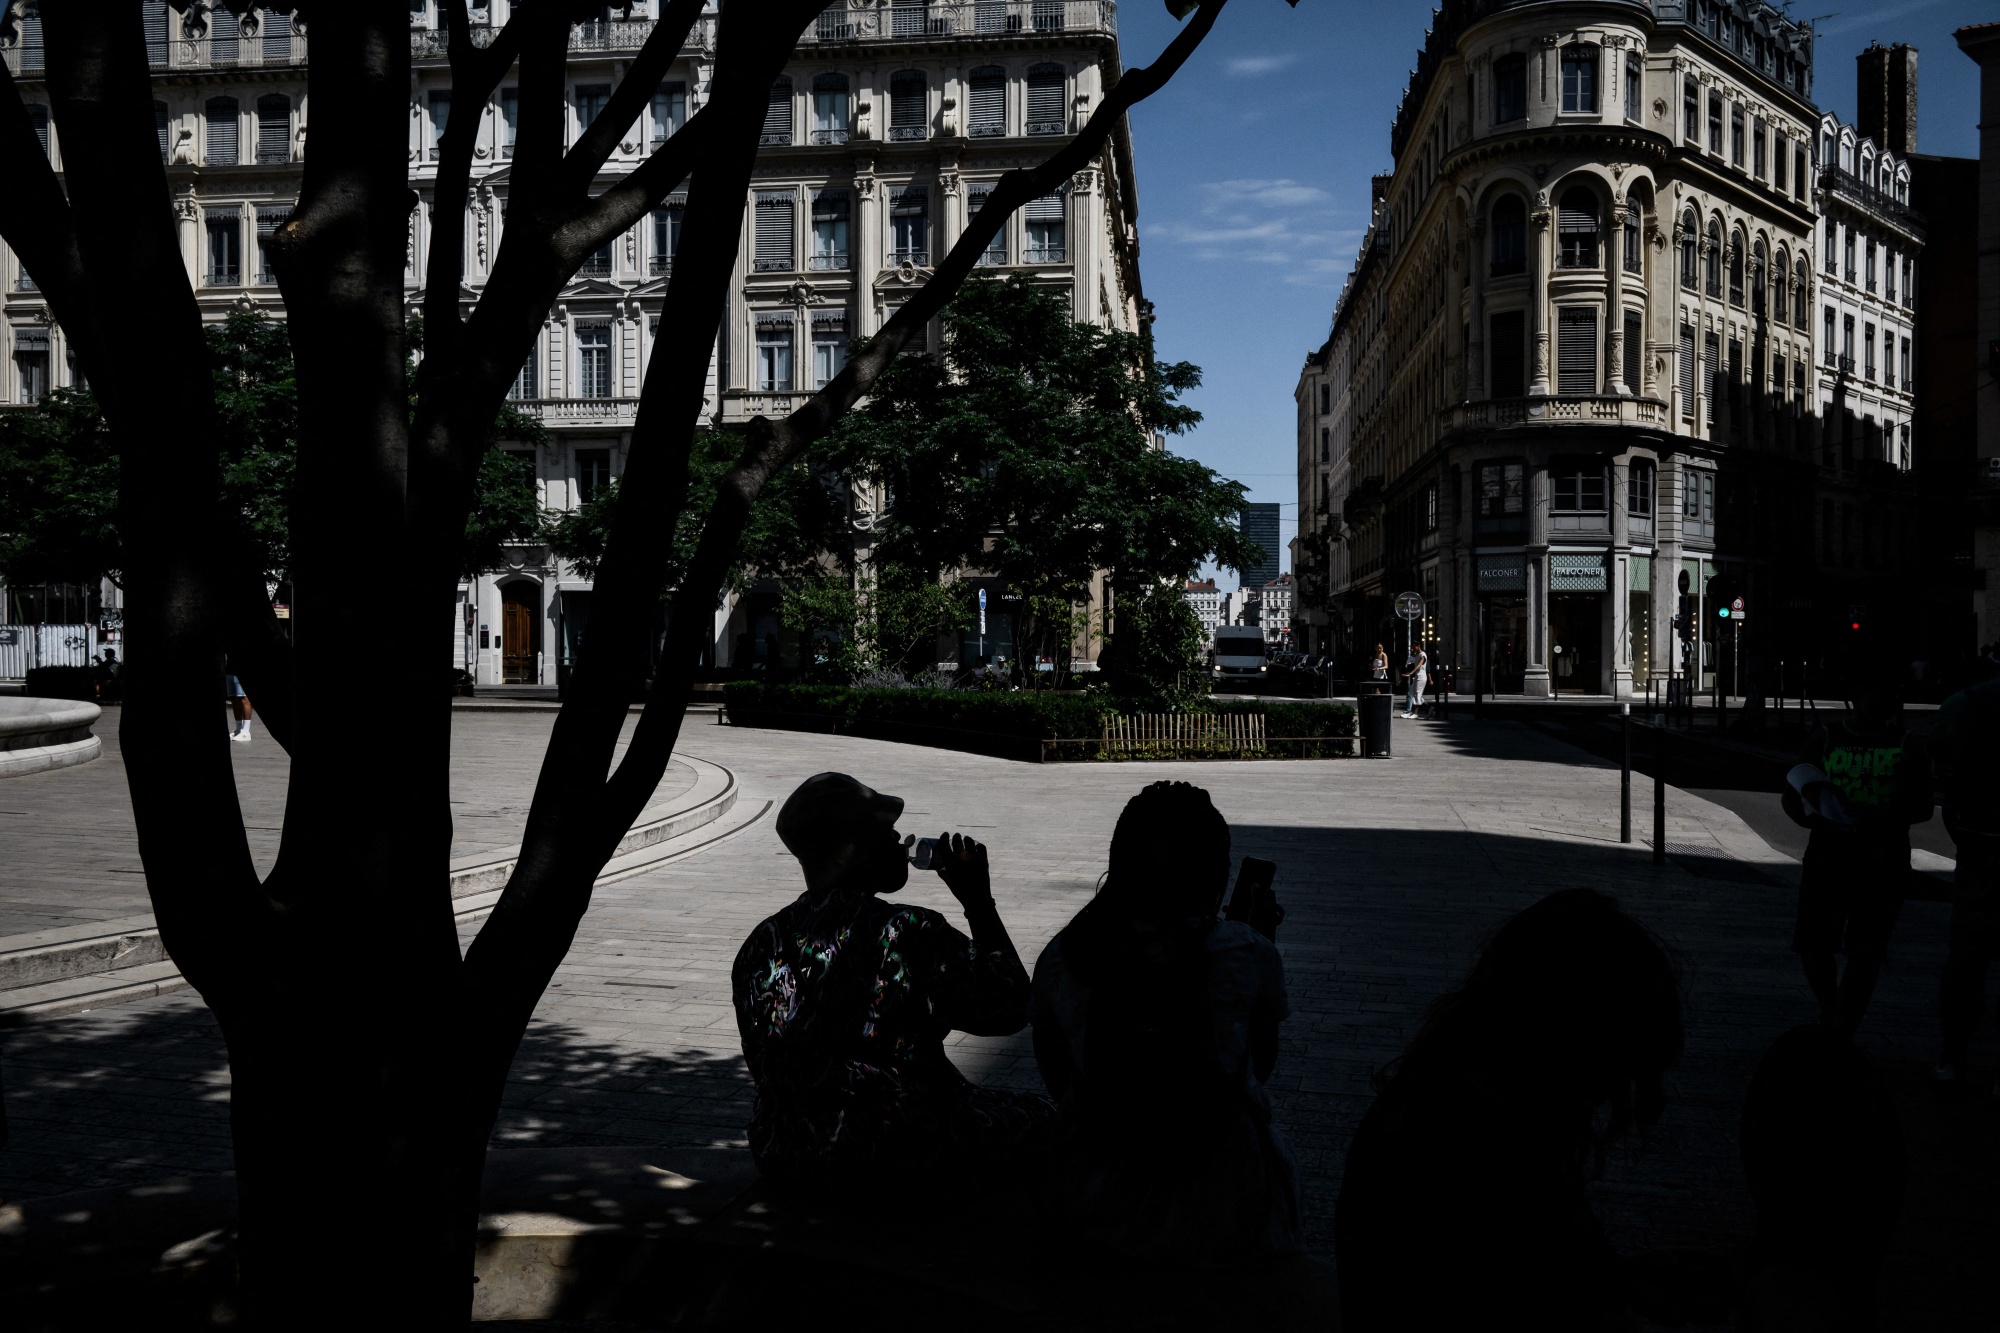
x=641 y=80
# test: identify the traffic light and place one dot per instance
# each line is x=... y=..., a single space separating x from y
x=1684 y=619
x=1857 y=618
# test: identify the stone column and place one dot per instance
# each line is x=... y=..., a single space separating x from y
x=1666 y=569
x=1538 y=300
x=868 y=247
x=1618 y=583
x=1614 y=312
x=1536 y=560
x=1475 y=351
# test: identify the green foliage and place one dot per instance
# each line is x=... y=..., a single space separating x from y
x=58 y=494
x=798 y=516
x=892 y=626
x=1026 y=449
x=1152 y=659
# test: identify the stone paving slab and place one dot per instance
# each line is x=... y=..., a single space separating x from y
x=1392 y=872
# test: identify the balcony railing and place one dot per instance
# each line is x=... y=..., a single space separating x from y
x=909 y=133
x=190 y=53
x=1593 y=410
x=580 y=411
x=964 y=18
x=827 y=263
x=1047 y=254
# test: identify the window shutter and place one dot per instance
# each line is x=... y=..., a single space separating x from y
x=155 y=21
x=38 y=116
x=908 y=98
x=1686 y=370
x=1711 y=365
x=30 y=37
x=31 y=340
x=276 y=33
x=778 y=115
x=274 y=127
x=1048 y=208
x=829 y=205
x=1045 y=101
x=1576 y=350
x=1509 y=352
x=774 y=230
x=160 y=125
x=1633 y=350
x=1574 y=216
x=989 y=103
x=221 y=132
x=269 y=218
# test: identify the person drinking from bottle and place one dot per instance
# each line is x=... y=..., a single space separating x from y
x=1156 y=1029
x=843 y=1001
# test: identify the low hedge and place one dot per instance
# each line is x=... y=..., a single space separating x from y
x=1011 y=725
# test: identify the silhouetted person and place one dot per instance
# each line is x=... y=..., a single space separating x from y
x=1463 y=1203
x=844 y=1000
x=1857 y=860
x=1966 y=741
x=1823 y=1154
x=1156 y=1026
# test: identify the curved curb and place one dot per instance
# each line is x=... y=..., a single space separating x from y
x=39 y=735
x=18 y=763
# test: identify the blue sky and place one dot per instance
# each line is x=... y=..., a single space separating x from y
x=1253 y=169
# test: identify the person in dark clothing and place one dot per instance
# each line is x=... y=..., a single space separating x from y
x=1823 y=1155
x=1966 y=745
x=1156 y=1028
x=1463 y=1205
x=1857 y=860
x=843 y=1002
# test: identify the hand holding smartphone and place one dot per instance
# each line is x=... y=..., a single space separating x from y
x=1253 y=901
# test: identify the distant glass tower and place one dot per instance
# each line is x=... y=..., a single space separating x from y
x=1260 y=525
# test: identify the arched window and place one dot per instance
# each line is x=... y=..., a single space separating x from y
x=219 y=117
x=1510 y=236
x=1801 y=275
x=986 y=118
x=1759 y=275
x=1712 y=261
x=1045 y=100
x=1579 y=78
x=1576 y=230
x=1690 y=250
x=1781 y=286
x=909 y=106
x=1510 y=89
x=1635 y=238
x=830 y=108
x=1736 y=267
x=778 y=114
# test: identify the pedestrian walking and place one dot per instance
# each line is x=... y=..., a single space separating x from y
x=1379 y=668
x=1968 y=727
x=239 y=708
x=1861 y=783
x=1414 y=672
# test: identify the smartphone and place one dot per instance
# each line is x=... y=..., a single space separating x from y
x=1253 y=889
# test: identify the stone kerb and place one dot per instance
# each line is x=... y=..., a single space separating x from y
x=37 y=735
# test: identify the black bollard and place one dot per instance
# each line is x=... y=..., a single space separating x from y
x=1660 y=796
x=1625 y=776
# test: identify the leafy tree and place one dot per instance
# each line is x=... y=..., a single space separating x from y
x=58 y=493
x=890 y=627
x=397 y=1074
x=1152 y=657
x=1026 y=448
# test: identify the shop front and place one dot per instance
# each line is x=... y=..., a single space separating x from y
x=1501 y=579
x=1577 y=584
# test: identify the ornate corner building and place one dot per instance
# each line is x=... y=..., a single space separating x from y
x=882 y=137
x=1573 y=372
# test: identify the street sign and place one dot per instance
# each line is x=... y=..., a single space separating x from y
x=1410 y=605
x=1736 y=609
x=982 y=612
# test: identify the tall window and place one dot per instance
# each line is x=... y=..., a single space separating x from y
x=1736 y=136
x=1832 y=353
x=829 y=236
x=829 y=334
x=1578 y=486
x=438 y=106
x=667 y=233
x=909 y=225
x=1909 y=283
x=1046 y=113
x=1576 y=349
x=1736 y=258
x=1757 y=148
x=269 y=218
x=1579 y=78
x=593 y=473
x=1869 y=275
x=1888 y=275
x=774 y=351
x=38 y=117
x=778 y=114
x=1908 y=382
x=1715 y=122
x=1047 y=243
x=909 y=106
x=986 y=117
x=1711 y=364
x=1502 y=490
x=510 y=119
x=1712 y=262
x=995 y=252
x=1635 y=347
x=154 y=25
x=597 y=264
x=1634 y=241
x=1868 y=353
x=1799 y=172
x=1510 y=236
x=225 y=248
x=1510 y=89
x=591 y=99
x=1698 y=501
x=527 y=385
x=1635 y=71
x=1507 y=346
x=1690 y=250
x=1691 y=113
x=1781 y=282
x=1576 y=230
x=1847 y=342
x=775 y=250
x=1800 y=306
x=593 y=360
x=1779 y=153
x=161 y=125
x=275 y=32
x=670 y=111
x=1832 y=264
x=1639 y=478
x=274 y=128
x=1847 y=254
x=224 y=30
x=830 y=109
x=1684 y=370
x=219 y=132
x=31 y=363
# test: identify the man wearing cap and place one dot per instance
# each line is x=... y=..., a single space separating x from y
x=843 y=1001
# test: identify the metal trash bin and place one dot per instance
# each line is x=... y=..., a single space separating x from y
x=1372 y=713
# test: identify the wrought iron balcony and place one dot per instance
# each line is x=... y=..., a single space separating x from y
x=907 y=22
x=279 y=51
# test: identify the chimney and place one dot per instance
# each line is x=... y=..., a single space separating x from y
x=1886 y=96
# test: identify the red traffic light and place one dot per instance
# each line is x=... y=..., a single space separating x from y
x=1855 y=624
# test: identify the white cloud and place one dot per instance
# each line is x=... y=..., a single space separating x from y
x=1279 y=223
x=1248 y=67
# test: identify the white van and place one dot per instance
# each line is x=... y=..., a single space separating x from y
x=1238 y=654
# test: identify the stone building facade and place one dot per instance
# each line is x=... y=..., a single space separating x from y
x=881 y=139
x=1573 y=375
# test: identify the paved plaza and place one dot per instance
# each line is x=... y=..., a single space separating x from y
x=1391 y=872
